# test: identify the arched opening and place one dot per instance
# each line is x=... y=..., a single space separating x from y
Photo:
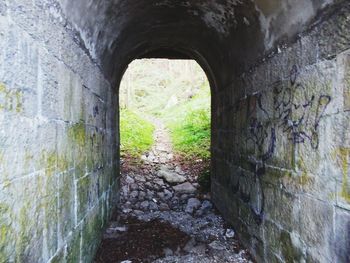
x=279 y=77
x=170 y=98
x=165 y=151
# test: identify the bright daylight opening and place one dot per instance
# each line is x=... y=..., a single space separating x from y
x=165 y=124
x=165 y=117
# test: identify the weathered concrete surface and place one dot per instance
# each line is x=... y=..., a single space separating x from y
x=58 y=139
x=279 y=72
x=281 y=163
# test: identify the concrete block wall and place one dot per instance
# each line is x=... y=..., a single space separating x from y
x=58 y=138
x=282 y=151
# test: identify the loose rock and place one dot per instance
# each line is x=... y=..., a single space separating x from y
x=185 y=188
x=192 y=204
x=171 y=177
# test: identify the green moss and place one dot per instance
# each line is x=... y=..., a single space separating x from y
x=73 y=250
x=4 y=228
x=13 y=99
x=345 y=188
x=83 y=192
x=19 y=106
x=91 y=234
x=22 y=239
x=52 y=162
x=2 y=92
x=304 y=179
x=77 y=133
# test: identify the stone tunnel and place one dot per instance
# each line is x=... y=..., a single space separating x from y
x=280 y=81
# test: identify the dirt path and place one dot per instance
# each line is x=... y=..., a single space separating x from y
x=162 y=216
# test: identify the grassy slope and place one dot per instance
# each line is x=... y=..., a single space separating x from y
x=189 y=125
x=136 y=134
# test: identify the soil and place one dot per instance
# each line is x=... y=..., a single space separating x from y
x=142 y=242
x=164 y=216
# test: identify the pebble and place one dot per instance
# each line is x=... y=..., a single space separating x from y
x=144 y=205
x=206 y=206
x=129 y=180
x=161 y=195
x=230 y=233
x=217 y=245
x=164 y=207
x=168 y=252
x=134 y=194
x=149 y=195
x=134 y=186
x=167 y=194
x=142 y=195
x=192 y=204
x=153 y=206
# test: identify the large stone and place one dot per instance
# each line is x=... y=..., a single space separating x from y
x=171 y=177
x=192 y=205
x=185 y=188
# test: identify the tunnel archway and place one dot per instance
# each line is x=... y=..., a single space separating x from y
x=177 y=53
x=279 y=72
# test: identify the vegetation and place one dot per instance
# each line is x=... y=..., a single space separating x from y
x=189 y=125
x=177 y=93
x=136 y=134
x=150 y=86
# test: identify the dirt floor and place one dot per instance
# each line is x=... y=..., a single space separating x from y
x=164 y=216
x=142 y=242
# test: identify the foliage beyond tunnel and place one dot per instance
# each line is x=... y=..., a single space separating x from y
x=136 y=134
x=175 y=92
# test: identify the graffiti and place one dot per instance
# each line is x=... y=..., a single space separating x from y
x=296 y=113
x=294 y=108
x=259 y=134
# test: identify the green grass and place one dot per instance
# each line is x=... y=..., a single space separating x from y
x=189 y=125
x=136 y=134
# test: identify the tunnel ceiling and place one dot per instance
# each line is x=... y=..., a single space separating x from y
x=223 y=32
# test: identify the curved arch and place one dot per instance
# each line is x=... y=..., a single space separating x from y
x=141 y=51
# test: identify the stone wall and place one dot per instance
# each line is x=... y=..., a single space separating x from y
x=58 y=138
x=281 y=135
x=282 y=149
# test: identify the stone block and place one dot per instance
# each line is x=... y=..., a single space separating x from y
x=83 y=193
x=66 y=206
x=316 y=221
x=319 y=168
x=73 y=250
x=281 y=207
x=292 y=249
x=27 y=201
x=257 y=249
x=342 y=159
x=343 y=67
x=70 y=91
x=91 y=234
x=272 y=257
x=27 y=146
x=20 y=57
x=341 y=245
x=59 y=257
x=272 y=235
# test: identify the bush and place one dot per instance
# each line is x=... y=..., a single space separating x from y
x=191 y=137
x=136 y=134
